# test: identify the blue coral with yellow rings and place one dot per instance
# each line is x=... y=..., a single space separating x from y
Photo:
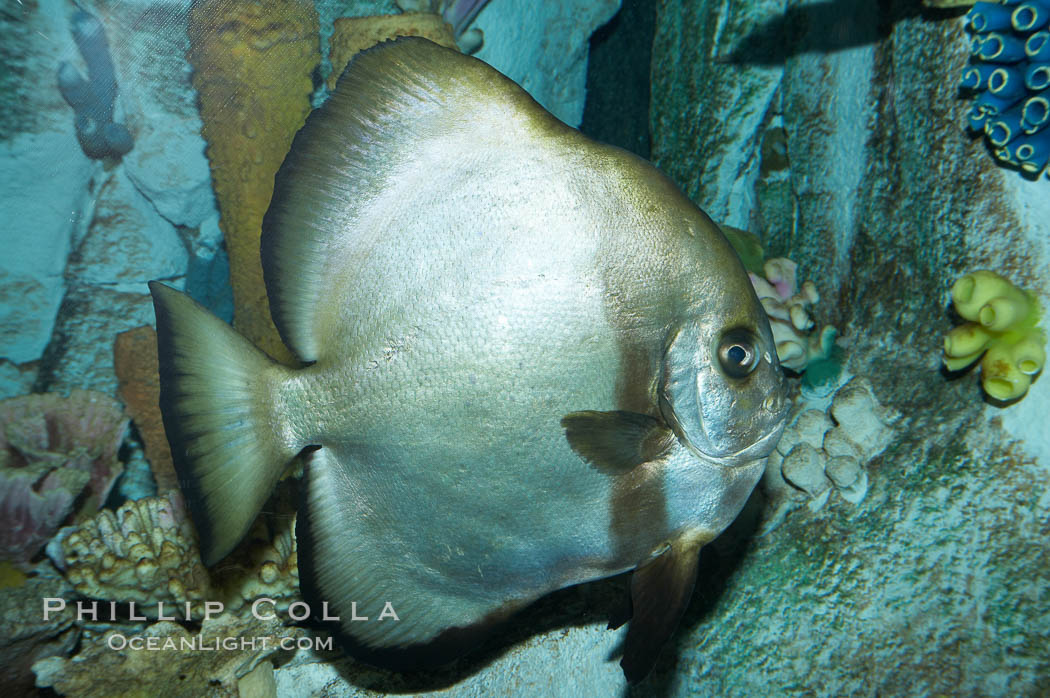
x=1009 y=72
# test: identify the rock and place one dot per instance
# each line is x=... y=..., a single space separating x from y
x=127 y=242
x=16 y=379
x=137 y=481
x=27 y=636
x=258 y=683
x=708 y=108
x=537 y=666
x=617 y=109
x=208 y=273
x=107 y=664
x=543 y=48
x=835 y=131
x=80 y=353
x=176 y=186
x=48 y=198
x=167 y=164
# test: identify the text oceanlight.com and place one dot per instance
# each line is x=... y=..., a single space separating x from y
x=118 y=642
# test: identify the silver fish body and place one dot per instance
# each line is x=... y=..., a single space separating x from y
x=531 y=362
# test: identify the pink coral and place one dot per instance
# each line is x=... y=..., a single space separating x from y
x=31 y=511
x=54 y=451
x=459 y=14
x=787 y=306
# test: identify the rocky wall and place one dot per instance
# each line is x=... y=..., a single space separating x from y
x=84 y=235
x=835 y=130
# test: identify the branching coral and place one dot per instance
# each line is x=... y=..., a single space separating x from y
x=144 y=552
x=93 y=98
x=1010 y=72
x=797 y=342
x=55 y=452
x=351 y=35
x=1003 y=327
x=264 y=565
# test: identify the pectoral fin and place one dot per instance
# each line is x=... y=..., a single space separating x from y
x=616 y=442
x=660 y=593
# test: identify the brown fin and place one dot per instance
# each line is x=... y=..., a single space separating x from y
x=616 y=442
x=660 y=593
x=621 y=613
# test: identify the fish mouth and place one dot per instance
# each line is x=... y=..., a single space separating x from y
x=749 y=454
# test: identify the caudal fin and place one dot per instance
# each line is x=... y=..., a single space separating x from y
x=216 y=397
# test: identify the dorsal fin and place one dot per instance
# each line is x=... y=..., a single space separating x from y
x=393 y=103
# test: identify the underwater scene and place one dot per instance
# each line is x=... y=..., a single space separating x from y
x=507 y=347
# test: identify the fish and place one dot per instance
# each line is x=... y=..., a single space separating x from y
x=527 y=361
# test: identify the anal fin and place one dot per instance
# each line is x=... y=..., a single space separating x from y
x=417 y=619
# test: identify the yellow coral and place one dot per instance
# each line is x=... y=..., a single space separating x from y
x=353 y=34
x=1002 y=326
x=253 y=64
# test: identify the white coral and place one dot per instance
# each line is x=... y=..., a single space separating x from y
x=144 y=552
x=819 y=450
x=147 y=552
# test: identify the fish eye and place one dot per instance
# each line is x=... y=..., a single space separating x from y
x=737 y=353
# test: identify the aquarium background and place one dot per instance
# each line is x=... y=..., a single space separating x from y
x=898 y=544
